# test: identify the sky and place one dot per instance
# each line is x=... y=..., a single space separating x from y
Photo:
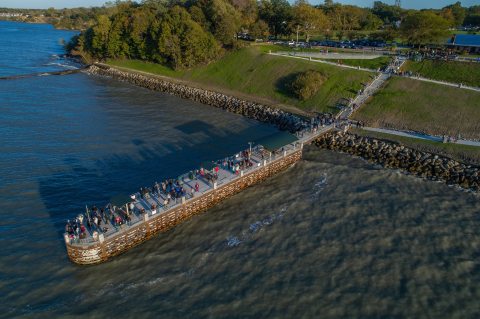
x=43 y=4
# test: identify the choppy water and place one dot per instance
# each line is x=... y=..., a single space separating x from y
x=332 y=237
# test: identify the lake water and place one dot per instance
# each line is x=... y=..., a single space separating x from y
x=332 y=237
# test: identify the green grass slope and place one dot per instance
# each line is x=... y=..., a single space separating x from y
x=420 y=106
x=456 y=72
x=252 y=73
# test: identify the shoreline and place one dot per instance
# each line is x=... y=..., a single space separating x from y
x=263 y=113
x=41 y=22
x=394 y=155
x=434 y=167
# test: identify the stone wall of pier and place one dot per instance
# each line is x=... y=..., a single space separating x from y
x=394 y=155
x=263 y=113
x=135 y=235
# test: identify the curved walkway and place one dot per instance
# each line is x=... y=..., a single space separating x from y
x=456 y=85
x=324 y=62
x=333 y=55
x=420 y=136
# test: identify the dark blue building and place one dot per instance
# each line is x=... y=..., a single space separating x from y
x=465 y=42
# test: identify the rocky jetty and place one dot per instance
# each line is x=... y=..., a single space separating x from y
x=283 y=120
x=394 y=155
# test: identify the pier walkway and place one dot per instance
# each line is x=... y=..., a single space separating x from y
x=153 y=203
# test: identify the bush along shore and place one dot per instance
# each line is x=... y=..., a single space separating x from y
x=283 y=120
x=394 y=155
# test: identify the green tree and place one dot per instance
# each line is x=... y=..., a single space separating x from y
x=328 y=3
x=473 y=16
x=224 y=20
x=458 y=12
x=99 y=36
x=306 y=84
x=277 y=14
x=369 y=21
x=387 y=13
x=248 y=10
x=424 y=27
x=259 y=30
x=308 y=19
x=345 y=18
x=182 y=42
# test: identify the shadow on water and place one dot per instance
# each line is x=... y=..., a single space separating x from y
x=66 y=193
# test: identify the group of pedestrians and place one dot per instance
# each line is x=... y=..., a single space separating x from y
x=433 y=54
x=167 y=191
x=96 y=221
x=237 y=163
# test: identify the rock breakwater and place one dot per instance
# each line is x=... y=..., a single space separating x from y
x=283 y=120
x=394 y=155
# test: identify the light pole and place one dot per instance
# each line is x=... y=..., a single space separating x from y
x=250 y=144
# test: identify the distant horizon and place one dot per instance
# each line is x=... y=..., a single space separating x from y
x=61 y=4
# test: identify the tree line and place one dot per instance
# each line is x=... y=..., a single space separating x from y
x=185 y=33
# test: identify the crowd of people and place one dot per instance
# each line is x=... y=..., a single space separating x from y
x=432 y=54
x=96 y=221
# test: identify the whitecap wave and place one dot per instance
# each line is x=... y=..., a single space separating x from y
x=319 y=186
x=254 y=228
x=66 y=66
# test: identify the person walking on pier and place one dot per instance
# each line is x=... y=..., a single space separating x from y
x=131 y=206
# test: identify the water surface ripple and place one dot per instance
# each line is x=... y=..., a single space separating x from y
x=332 y=237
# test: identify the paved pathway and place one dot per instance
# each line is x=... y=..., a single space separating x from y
x=325 y=62
x=420 y=136
x=375 y=85
x=456 y=85
x=308 y=56
x=371 y=89
x=364 y=95
x=332 y=55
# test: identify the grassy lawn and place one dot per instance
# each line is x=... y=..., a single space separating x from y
x=363 y=63
x=463 y=153
x=253 y=74
x=456 y=72
x=425 y=107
